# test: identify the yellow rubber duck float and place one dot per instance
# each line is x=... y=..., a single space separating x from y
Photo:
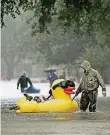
x=61 y=103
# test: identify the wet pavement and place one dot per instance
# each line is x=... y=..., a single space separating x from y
x=97 y=123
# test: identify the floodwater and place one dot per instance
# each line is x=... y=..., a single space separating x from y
x=78 y=123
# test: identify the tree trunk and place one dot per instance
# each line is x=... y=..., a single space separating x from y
x=103 y=74
x=68 y=70
x=10 y=71
x=106 y=76
x=10 y=68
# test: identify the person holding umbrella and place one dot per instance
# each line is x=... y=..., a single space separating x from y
x=51 y=76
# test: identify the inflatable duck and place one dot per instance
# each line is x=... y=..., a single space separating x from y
x=61 y=103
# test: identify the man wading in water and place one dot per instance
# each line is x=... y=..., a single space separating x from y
x=89 y=87
x=23 y=81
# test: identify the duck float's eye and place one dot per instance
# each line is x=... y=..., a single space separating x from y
x=62 y=84
x=66 y=85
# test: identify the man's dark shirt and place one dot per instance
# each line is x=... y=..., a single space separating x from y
x=23 y=81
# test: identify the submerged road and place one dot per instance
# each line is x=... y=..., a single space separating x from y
x=97 y=123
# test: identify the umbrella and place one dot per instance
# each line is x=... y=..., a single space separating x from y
x=32 y=89
x=49 y=70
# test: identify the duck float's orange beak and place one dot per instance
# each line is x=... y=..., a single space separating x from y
x=69 y=90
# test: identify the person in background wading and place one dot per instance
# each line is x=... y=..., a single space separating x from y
x=23 y=82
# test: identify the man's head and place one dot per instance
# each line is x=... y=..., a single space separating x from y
x=86 y=66
x=49 y=73
x=24 y=73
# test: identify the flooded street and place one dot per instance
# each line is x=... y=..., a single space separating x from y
x=42 y=125
x=55 y=123
x=47 y=40
x=58 y=48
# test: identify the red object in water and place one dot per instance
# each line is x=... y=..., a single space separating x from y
x=69 y=90
x=4 y=78
x=34 y=81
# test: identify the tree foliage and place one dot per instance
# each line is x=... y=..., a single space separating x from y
x=61 y=29
x=15 y=41
x=98 y=56
x=83 y=15
x=62 y=48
